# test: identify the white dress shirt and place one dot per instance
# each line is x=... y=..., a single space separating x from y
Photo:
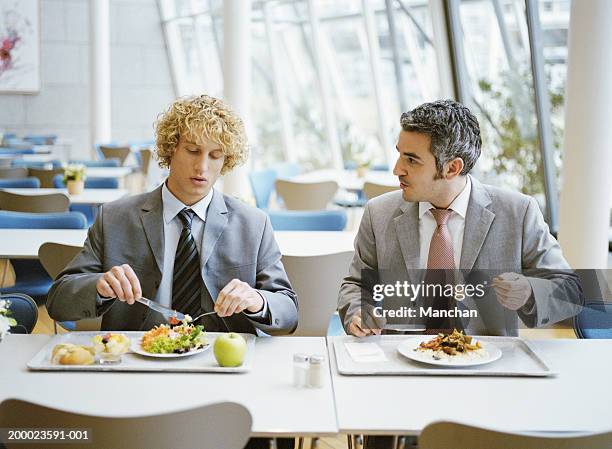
x=455 y=224
x=173 y=227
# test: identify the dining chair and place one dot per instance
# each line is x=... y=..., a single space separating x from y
x=54 y=257
x=31 y=277
x=372 y=189
x=287 y=170
x=45 y=175
x=46 y=203
x=262 y=185
x=24 y=310
x=322 y=220
x=20 y=183
x=146 y=154
x=594 y=320
x=316 y=280
x=444 y=435
x=223 y=425
x=306 y=195
x=90 y=183
x=40 y=139
x=13 y=172
x=119 y=152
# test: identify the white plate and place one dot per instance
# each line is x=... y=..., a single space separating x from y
x=489 y=353
x=137 y=349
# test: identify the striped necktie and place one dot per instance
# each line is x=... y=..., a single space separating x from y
x=187 y=281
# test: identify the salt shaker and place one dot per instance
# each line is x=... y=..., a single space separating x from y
x=300 y=370
x=315 y=371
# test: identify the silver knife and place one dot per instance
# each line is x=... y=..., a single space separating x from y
x=166 y=312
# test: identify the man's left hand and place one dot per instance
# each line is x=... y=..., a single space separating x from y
x=236 y=297
x=513 y=290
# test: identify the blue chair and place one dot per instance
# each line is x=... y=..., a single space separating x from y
x=380 y=167
x=594 y=321
x=32 y=278
x=323 y=220
x=41 y=139
x=18 y=143
x=103 y=163
x=13 y=151
x=24 y=310
x=19 y=183
x=92 y=183
x=42 y=165
x=262 y=183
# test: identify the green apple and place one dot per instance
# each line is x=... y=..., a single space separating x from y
x=230 y=349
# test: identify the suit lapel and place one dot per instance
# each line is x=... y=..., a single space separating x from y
x=478 y=219
x=407 y=230
x=216 y=221
x=151 y=217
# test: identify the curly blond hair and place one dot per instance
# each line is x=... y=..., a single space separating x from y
x=196 y=117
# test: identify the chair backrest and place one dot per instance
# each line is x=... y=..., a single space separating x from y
x=102 y=163
x=120 y=153
x=372 y=189
x=224 y=425
x=444 y=435
x=145 y=159
x=60 y=220
x=13 y=172
x=91 y=183
x=316 y=280
x=53 y=202
x=594 y=320
x=24 y=310
x=40 y=139
x=262 y=184
x=20 y=183
x=44 y=175
x=306 y=195
x=323 y=220
x=54 y=257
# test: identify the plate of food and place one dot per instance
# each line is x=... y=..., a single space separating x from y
x=166 y=342
x=450 y=350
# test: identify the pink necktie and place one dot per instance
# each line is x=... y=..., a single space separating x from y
x=441 y=247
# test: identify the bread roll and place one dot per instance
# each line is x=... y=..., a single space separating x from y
x=69 y=354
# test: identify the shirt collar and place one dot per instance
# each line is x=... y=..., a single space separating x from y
x=172 y=205
x=459 y=204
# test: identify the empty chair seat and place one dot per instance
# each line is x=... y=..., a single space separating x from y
x=323 y=220
x=20 y=183
x=45 y=176
x=53 y=202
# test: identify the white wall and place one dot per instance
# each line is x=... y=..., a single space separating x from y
x=141 y=82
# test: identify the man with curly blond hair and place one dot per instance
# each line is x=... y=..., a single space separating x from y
x=185 y=245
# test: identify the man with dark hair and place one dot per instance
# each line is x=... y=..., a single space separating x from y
x=444 y=219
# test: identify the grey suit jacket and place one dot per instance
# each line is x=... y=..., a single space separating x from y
x=504 y=231
x=238 y=242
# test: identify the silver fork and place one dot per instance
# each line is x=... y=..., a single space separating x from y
x=201 y=315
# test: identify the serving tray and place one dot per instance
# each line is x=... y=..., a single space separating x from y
x=518 y=359
x=203 y=362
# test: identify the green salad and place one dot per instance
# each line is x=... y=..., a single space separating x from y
x=164 y=339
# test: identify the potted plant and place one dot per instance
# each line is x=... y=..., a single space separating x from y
x=5 y=320
x=74 y=178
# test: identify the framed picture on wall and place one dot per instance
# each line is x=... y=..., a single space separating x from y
x=19 y=46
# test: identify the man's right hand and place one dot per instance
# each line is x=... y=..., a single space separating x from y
x=120 y=282
x=359 y=329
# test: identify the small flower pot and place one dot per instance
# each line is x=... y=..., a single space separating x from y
x=75 y=187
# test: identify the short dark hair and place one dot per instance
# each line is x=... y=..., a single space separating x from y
x=453 y=130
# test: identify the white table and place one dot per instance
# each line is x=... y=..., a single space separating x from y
x=578 y=399
x=267 y=391
x=89 y=196
x=347 y=179
x=24 y=243
x=109 y=172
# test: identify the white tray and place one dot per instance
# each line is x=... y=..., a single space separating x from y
x=198 y=363
x=518 y=359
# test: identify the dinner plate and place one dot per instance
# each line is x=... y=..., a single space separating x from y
x=137 y=349
x=489 y=353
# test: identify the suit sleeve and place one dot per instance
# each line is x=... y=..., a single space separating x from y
x=73 y=295
x=272 y=283
x=364 y=260
x=557 y=292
